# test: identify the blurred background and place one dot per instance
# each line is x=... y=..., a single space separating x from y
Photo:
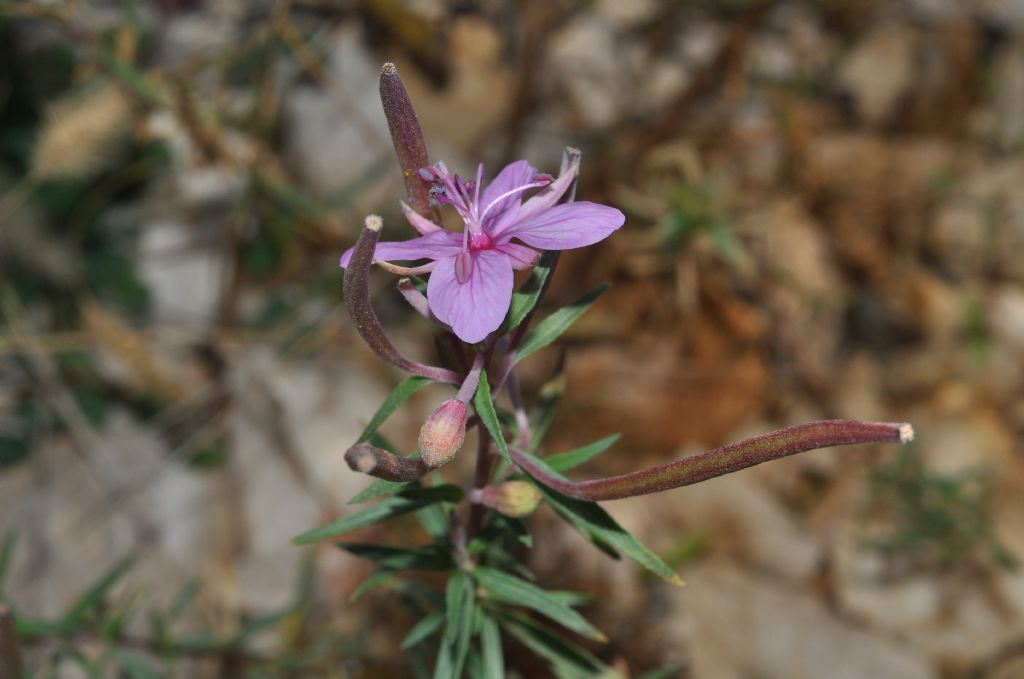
x=825 y=218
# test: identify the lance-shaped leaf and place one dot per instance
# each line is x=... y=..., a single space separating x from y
x=592 y=521
x=429 y=558
x=488 y=415
x=92 y=598
x=513 y=591
x=490 y=648
x=399 y=395
x=566 y=658
x=548 y=330
x=526 y=298
x=423 y=630
x=405 y=502
x=577 y=456
x=460 y=602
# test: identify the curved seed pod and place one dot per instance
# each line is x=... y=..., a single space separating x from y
x=357 y=300
x=720 y=461
x=407 y=137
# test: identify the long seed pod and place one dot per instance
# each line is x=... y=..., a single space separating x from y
x=407 y=137
x=357 y=300
x=720 y=461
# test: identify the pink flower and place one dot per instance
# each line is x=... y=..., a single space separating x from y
x=471 y=280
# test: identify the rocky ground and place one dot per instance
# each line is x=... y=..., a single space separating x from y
x=824 y=219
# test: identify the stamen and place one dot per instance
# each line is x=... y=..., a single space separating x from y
x=463 y=266
x=537 y=182
x=418 y=221
x=405 y=270
x=479 y=183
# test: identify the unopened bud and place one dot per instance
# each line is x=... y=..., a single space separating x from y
x=442 y=434
x=512 y=498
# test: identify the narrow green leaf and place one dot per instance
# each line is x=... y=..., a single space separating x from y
x=135 y=665
x=565 y=657
x=598 y=525
x=35 y=628
x=460 y=600
x=593 y=521
x=485 y=409
x=423 y=629
x=382 y=488
x=570 y=598
x=181 y=602
x=405 y=502
x=445 y=667
x=95 y=594
x=546 y=405
x=261 y=623
x=548 y=330
x=134 y=79
x=201 y=642
x=574 y=458
x=664 y=673
x=88 y=667
x=513 y=591
x=434 y=520
x=405 y=389
x=375 y=579
x=429 y=558
x=490 y=647
x=474 y=666
x=526 y=297
x=6 y=555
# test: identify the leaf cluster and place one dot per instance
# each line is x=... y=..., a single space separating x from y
x=489 y=598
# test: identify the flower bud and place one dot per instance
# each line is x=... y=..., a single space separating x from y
x=442 y=434
x=512 y=498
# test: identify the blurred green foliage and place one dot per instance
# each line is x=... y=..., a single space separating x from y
x=931 y=520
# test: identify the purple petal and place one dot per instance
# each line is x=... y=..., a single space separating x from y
x=475 y=308
x=434 y=245
x=522 y=257
x=418 y=221
x=566 y=226
x=511 y=176
x=551 y=193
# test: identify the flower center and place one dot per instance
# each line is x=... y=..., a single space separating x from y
x=480 y=241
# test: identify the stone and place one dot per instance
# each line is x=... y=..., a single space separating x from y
x=771 y=630
x=879 y=71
